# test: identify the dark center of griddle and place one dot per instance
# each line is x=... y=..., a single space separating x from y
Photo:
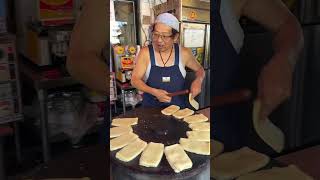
x=156 y=127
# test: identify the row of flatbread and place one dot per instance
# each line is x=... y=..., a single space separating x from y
x=244 y=164
x=122 y=132
x=132 y=146
x=198 y=142
x=176 y=112
x=152 y=153
x=185 y=114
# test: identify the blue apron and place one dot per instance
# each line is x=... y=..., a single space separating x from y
x=232 y=124
x=229 y=122
x=177 y=82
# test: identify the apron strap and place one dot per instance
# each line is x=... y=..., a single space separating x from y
x=176 y=53
x=151 y=52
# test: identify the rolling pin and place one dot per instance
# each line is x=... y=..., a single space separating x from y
x=186 y=91
x=233 y=97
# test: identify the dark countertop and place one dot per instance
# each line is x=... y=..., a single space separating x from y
x=308 y=160
x=86 y=162
x=34 y=76
x=205 y=111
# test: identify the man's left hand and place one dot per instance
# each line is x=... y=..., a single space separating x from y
x=274 y=85
x=195 y=88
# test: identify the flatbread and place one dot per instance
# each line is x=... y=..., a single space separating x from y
x=268 y=132
x=121 y=141
x=131 y=151
x=291 y=173
x=124 y=121
x=197 y=118
x=151 y=156
x=170 y=110
x=216 y=148
x=183 y=113
x=118 y=131
x=203 y=126
x=197 y=147
x=234 y=164
x=177 y=158
x=193 y=102
x=199 y=135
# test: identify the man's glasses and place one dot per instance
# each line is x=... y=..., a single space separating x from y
x=155 y=36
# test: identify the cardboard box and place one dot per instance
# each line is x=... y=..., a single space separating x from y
x=55 y=12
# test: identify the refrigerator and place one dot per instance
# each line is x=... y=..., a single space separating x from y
x=123 y=27
x=297 y=117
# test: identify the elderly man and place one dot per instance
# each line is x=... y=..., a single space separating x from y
x=160 y=67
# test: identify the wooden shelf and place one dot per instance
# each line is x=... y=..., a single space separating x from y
x=11 y=118
x=9 y=98
x=8 y=81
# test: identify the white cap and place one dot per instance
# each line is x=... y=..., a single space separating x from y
x=168 y=19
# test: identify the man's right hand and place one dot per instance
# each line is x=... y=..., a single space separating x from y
x=162 y=95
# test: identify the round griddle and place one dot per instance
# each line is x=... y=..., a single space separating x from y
x=153 y=126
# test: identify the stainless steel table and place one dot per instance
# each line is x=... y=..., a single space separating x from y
x=123 y=88
x=34 y=77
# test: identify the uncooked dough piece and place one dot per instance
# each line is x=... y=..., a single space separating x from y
x=124 y=121
x=216 y=148
x=197 y=147
x=193 y=102
x=197 y=118
x=199 y=135
x=151 y=156
x=118 y=131
x=177 y=158
x=267 y=131
x=170 y=110
x=291 y=173
x=203 y=126
x=183 y=113
x=131 y=151
x=121 y=141
x=234 y=164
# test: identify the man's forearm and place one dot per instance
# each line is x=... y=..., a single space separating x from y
x=200 y=74
x=139 y=84
x=288 y=41
x=90 y=70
